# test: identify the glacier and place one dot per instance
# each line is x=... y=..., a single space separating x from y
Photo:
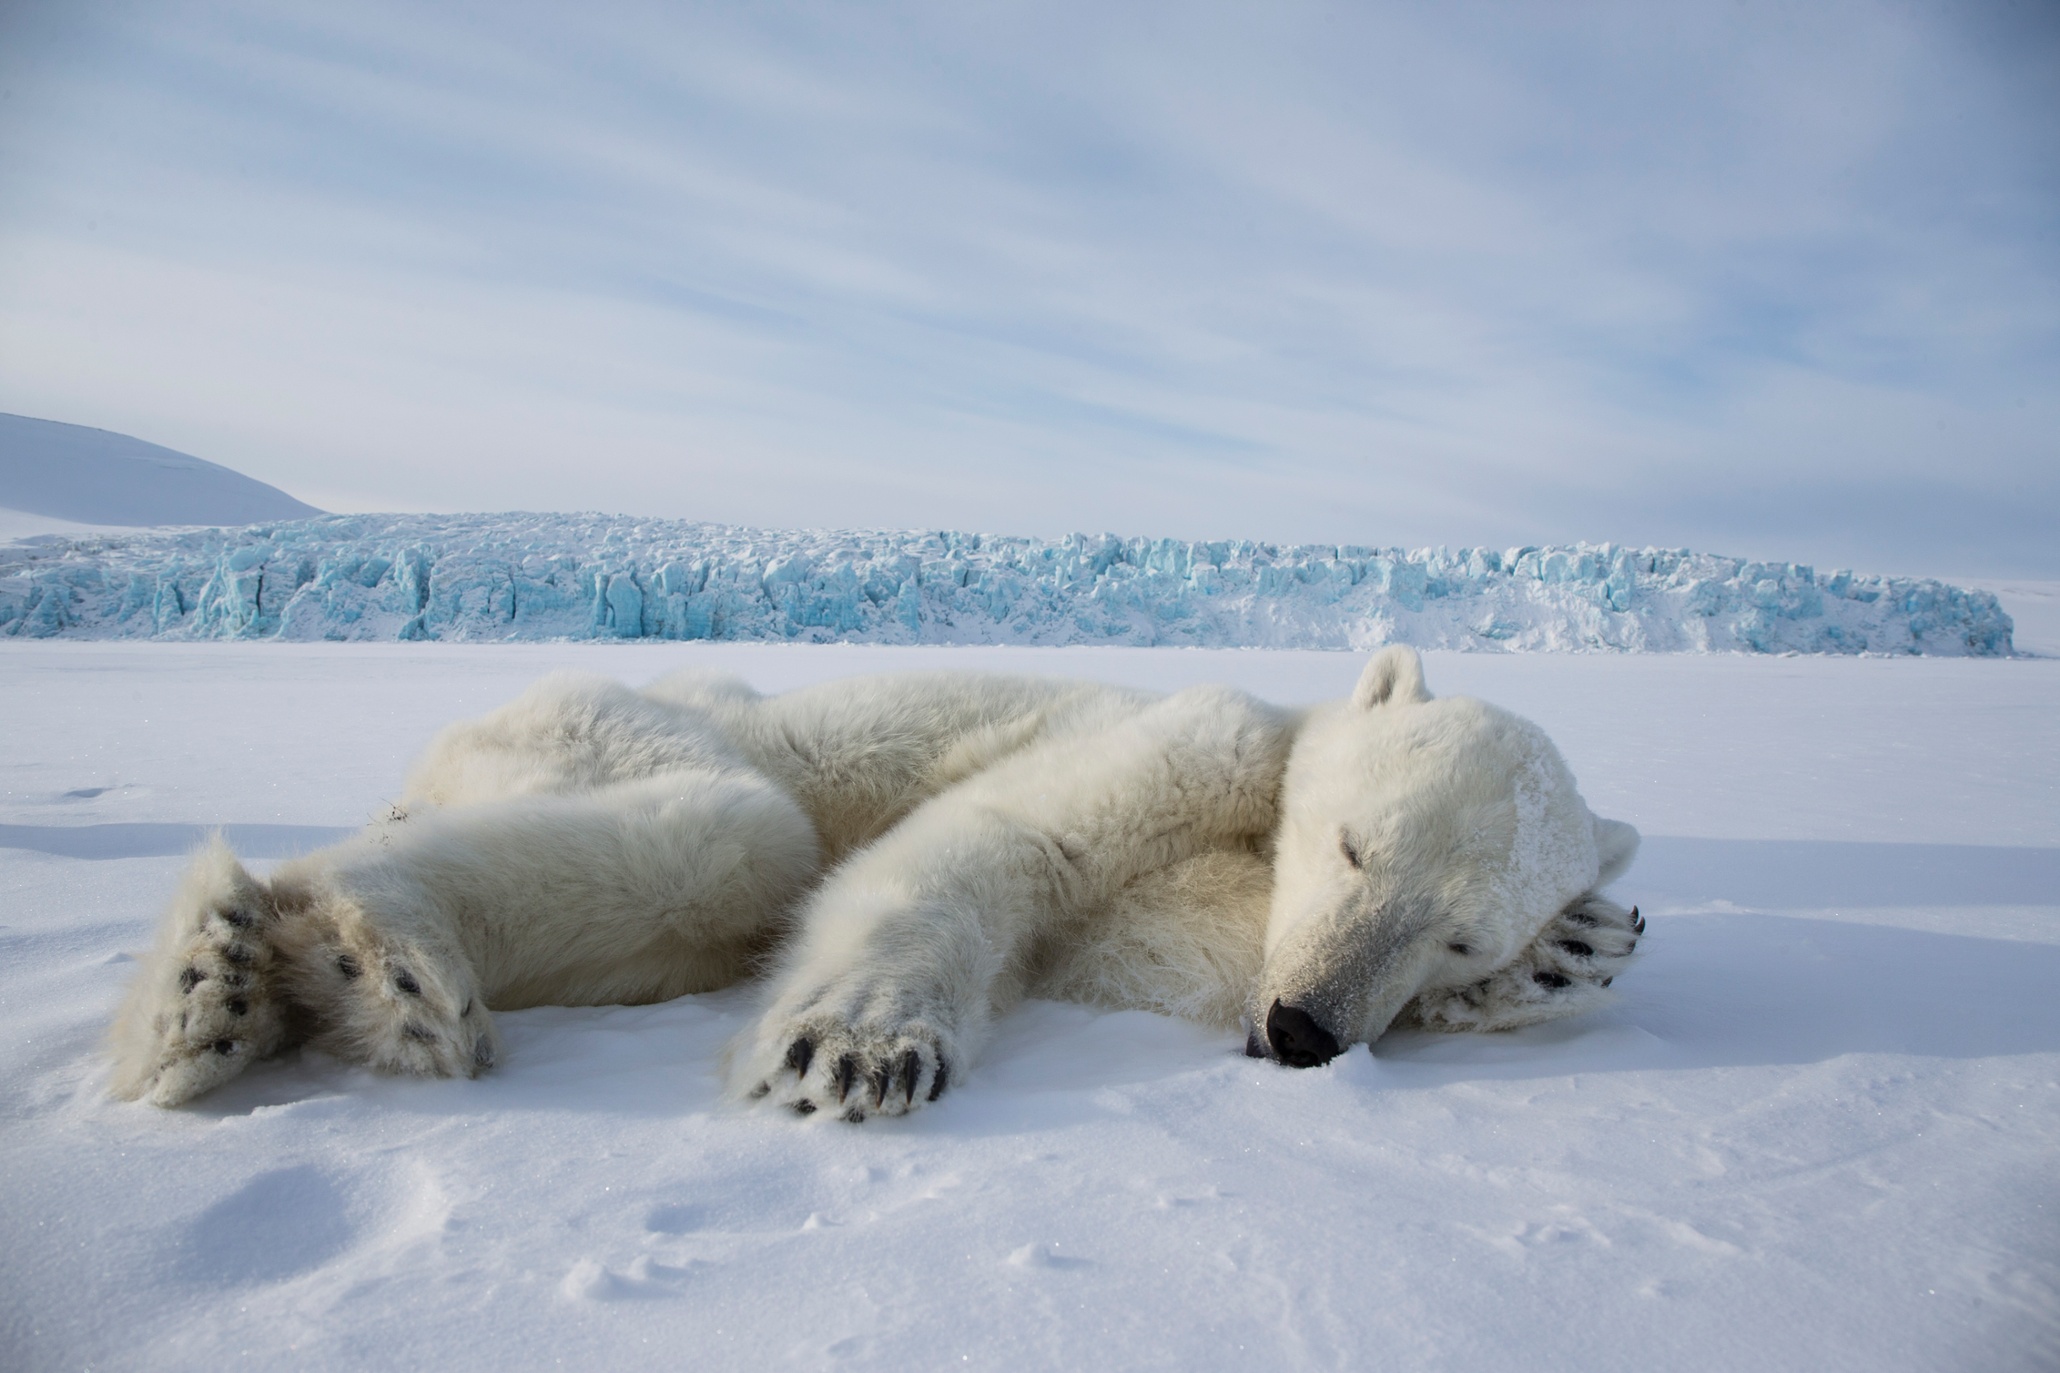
x=498 y=577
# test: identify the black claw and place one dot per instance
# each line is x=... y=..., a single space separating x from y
x=854 y=1116
x=347 y=965
x=1607 y=980
x=911 y=1069
x=1637 y=921
x=847 y=1073
x=238 y=1006
x=190 y=979
x=800 y=1054
x=405 y=980
x=937 y=1083
x=883 y=1077
x=804 y=1107
x=1577 y=948
x=225 y=1047
x=1551 y=979
x=468 y=1009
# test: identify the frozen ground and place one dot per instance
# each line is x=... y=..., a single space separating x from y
x=1818 y=1131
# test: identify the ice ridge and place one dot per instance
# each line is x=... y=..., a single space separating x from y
x=552 y=576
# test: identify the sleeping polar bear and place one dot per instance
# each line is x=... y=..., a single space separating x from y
x=907 y=856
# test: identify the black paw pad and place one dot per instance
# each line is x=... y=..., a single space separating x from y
x=242 y=920
x=417 y=1032
x=405 y=981
x=804 y=1107
x=239 y=954
x=190 y=979
x=225 y=1047
x=238 y=1006
x=1551 y=979
x=854 y=1116
x=1577 y=948
x=347 y=965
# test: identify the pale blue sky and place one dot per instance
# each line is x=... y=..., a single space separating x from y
x=1762 y=278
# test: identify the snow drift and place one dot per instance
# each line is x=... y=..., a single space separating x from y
x=528 y=576
x=94 y=476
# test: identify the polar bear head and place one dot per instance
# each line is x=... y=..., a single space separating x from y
x=1423 y=845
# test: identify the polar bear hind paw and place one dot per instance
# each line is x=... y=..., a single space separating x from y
x=206 y=1002
x=395 y=1004
x=854 y=1071
x=1566 y=970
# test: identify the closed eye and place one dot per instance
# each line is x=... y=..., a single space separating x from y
x=1461 y=949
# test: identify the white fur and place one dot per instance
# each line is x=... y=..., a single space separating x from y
x=909 y=855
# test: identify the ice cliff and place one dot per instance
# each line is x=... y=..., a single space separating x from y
x=521 y=576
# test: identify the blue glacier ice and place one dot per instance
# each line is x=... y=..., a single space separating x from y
x=553 y=576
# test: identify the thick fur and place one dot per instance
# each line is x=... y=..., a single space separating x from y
x=905 y=858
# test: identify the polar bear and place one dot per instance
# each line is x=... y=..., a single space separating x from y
x=901 y=859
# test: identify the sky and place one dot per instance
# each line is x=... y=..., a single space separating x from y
x=1768 y=279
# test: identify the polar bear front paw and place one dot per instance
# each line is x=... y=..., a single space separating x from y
x=852 y=1068
x=206 y=1003
x=1562 y=972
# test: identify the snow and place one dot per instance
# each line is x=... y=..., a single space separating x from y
x=516 y=577
x=1816 y=1132
x=22 y=524
x=91 y=476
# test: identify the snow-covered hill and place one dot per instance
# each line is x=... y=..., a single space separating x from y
x=521 y=576
x=90 y=476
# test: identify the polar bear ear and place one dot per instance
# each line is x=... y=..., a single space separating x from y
x=1616 y=844
x=1395 y=674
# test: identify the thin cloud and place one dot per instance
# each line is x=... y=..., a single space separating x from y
x=1373 y=274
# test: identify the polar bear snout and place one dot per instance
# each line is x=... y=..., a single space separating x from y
x=1297 y=1039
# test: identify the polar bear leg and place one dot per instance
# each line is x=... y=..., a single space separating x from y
x=909 y=950
x=388 y=950
x=631 y=893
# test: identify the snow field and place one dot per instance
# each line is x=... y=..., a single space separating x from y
x=1816 y=1131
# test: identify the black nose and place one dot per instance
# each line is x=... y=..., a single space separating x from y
x=1297 y=1039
